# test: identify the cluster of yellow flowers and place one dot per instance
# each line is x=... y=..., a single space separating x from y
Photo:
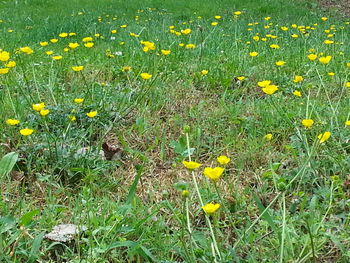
x=212 y=174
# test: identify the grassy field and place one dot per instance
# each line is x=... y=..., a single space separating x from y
x=174 y=131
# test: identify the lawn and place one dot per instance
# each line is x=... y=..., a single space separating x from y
x=174 y=131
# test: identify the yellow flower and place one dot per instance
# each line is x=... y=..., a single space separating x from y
x=165 y=52
x=253 y=54
x=223 y=160
x=190 y=46
x=270 y=89
x=264 y=83
x=57 y=57
x=347 y=123
x=347 y=84
x=123 y=26
x=241 y=78
x=325 y=60
x=191 y=165
x=328 y=42
x=213 y=173
x=54 y=40
x=44 y=43
x=324 y=18
x=4 y=71
x=217 y=17
x=87 y=39
x=63 y=35
x=298 y=79
x=79 y=100
x=294 y=36
x=38 y=106
x=11 y=64
x=237 y=13
x=114 y=31
x=91 y=114
x=307 y=123
x=44 y=112
x=274 y=46
x=26 y=131
x=186 y=31
x=73 y=45
x=50 y=52
x=89 y=44
x=12 y=122
x=78 y=68
x=210 y=208
x=312 y=57
x=126 y=68
x=204 y=72
x=4 y=56
x=297 y=93
x=268 y=137
x=348 y=64
x=214 y=23
x=323 y=137
x=26 y=50
x=145 y=76
x=72 y=118
x=280 y=63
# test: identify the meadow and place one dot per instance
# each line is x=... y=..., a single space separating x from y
x=174 y=131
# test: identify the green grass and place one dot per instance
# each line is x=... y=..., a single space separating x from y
x=282 y=200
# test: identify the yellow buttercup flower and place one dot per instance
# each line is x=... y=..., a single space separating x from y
x=268 y=137
x=223 y=160
x=275 y=46
x=57 y=57
x=190 y=46
x=210 y=208
x=186 y=31
x=87 y=39
x=280 y=63
x=126 y=68
x=214 y=23
x=297 y=93
x=165 y=52
x=312 y=57
x=50 y=52
x=253 y=54
x=44 y=112
x=27 y=50
x=323 y=137
x=26 y=131
x=307 y=123
x=325 y=60
x=204 y=72
x=44 y=43
x=213 y=173
x=78 y=68
x=89 y=44
x=191 y=165
x=12 y=122
x=79 y=100
x=11 y=64
x=91 y=114
x=54 y=40
x=73 y=45
x=4 y=56
x=38 y=106
x=264 y=83
x=4 y=71
x=347 y=123
x=298 y=79
x=270 y=89
x=63 y=35
x=347 y=84
x=146 y=76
